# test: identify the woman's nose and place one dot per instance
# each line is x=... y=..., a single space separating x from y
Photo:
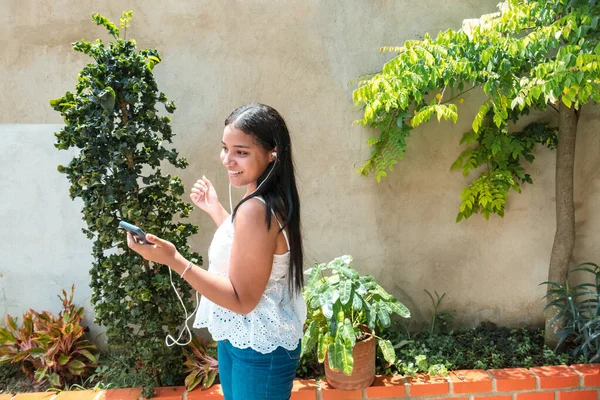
x=225 y=159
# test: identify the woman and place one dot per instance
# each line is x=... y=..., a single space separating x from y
x=252 y=292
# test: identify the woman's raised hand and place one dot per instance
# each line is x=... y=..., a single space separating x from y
x=204 y=195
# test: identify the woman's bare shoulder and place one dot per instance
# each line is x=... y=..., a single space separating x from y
x=251 y=210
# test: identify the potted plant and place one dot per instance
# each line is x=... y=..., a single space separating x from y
x=345 y=310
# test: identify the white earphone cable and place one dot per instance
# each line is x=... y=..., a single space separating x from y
x=170 y=340
x=230 y=203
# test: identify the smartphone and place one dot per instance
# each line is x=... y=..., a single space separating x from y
x=138 y=234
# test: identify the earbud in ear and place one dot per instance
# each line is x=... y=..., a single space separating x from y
x=274 y=154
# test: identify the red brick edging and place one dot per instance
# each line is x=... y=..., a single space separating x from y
x=577 y=382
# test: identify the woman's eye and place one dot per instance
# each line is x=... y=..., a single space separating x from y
x=242 y=153
x=224 y=148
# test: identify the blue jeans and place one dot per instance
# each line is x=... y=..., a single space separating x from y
x=246 y=374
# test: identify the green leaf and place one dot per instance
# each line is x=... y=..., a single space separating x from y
x=107 y=99
x=36 y=352
x=76 y=367
x=360 y=288
x=210 y=378
x=192 y=380
x=498 y=120
x=413 y=56
x=11 y=323
x=357 y=302
x=486 y=55
x=155 y=59
x=54 y=380
x=63 y=359
x=7 y=338
x=346 y=357
x=6 y=359
x=469 y=137
x=399 y=308
x=421 y=362
x=333 y=357
x=478 y=120
x=514 y=103
x=40 y=374
x=310 y=337
x=322 y=346
x=423 y=115
x=345 y=291
x=387 y=350
x=87 y=354
x=347 y=332
x=326 y=301
x=372 y=316
x=383 y=314
x=347 y=272
x=340 y=357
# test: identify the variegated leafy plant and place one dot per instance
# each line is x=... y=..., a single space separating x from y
x=201 y=367
x=340 y=303
x=49 y=348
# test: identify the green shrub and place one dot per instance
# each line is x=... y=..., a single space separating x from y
x=484 y=347
x=113 y=119
x=579 y=312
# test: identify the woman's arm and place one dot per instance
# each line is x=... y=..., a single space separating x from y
x=249 y=266
x=219 y=215
x=250 y=263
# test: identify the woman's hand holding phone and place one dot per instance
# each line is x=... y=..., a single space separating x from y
x=159 y=251
x=138 y=234
x=150 y=247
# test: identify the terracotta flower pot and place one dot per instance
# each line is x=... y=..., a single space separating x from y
x=363 y=372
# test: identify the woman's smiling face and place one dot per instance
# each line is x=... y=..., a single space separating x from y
x=244 y=159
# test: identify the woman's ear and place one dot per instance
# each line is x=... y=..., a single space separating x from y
x=273 y=155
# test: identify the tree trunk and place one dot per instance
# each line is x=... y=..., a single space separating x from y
x=564 y=239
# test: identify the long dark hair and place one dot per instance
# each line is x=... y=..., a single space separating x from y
x=279 y=191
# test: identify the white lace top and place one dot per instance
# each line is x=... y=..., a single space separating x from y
x=277 y=320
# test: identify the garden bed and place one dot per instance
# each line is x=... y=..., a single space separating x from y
x=576 y=382
x=500 y=359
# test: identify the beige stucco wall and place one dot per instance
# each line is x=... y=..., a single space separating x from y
x=297 y=56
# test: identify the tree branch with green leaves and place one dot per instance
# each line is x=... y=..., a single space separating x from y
x=531 y=55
